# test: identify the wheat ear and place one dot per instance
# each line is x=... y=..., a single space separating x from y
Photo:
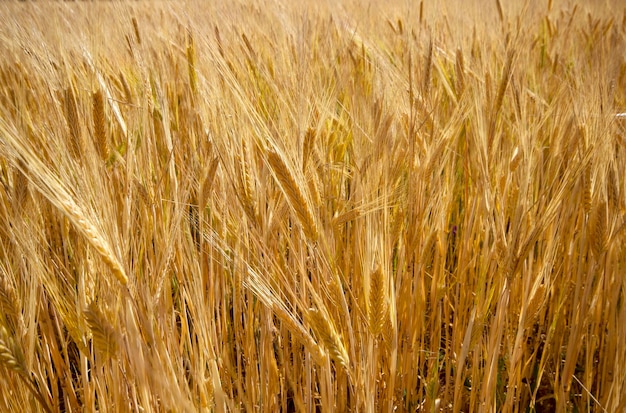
x=99 y=126
x=10 y=353
x=307 y=147
x=295 y=196
x=326 y=332
x=71 y=114
x=12 y=357
x=104 y=336
x=50 y=186
x=9 y=302
x=377 y=310
x=347 y=217
x=88 y=229
x=587 y=190
x=246 y=181
x=599 y=232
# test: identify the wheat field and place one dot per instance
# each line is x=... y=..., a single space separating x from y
x=316 y=206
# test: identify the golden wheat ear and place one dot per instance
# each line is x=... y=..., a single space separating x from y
x=327 y=334
x=73 y=123
x=11 y=355
x=105 y=337
x=377 y=310
x=12 y=358
x=295 y=193
x=99 y=126
x=54 y=190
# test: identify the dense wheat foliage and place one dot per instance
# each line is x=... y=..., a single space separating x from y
x=313 y=206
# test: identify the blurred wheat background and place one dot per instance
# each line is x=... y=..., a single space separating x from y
x=362 y=206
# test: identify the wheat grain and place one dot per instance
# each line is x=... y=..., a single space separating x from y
x=500 y=12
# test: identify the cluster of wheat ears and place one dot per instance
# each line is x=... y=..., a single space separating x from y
x=312 y=206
